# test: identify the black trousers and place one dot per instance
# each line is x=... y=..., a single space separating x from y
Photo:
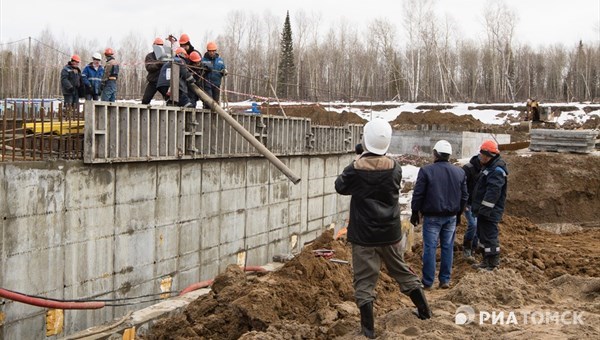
x=487 y=232
x=149 y=92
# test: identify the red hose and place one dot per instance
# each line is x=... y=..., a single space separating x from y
x=49 y=303
x=204 y=284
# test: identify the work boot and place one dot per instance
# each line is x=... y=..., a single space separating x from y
x=484 y=264
x=417 y=296
x=367 y=322
x=467 y=252
x=493 y=262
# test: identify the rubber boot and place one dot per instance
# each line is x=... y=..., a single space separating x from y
x=484 y=264
x=367 y=322
x=493 y=262
x=417 y=296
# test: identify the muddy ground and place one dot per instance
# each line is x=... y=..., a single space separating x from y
x=541 y=271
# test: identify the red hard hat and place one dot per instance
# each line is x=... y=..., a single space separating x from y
x=76 y=58
x=108 y=51
x=184 y=39
x=181 y=50
x=489 y=147
x=195 y=57
x=158 y=41
x=211 y=46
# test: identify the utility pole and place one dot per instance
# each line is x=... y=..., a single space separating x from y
x=29 y=73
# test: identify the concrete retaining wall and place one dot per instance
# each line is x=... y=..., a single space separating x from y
x=73 y=231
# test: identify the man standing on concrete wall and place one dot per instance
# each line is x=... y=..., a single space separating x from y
x=440 y=195
x=374 y=229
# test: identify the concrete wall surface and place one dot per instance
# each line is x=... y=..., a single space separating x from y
x=114 y=231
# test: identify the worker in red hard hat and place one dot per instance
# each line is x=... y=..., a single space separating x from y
x=153 y=64
x=489 y=198
x=71 y=83
x=111 y=74
x=215 y=70
x=185 y=78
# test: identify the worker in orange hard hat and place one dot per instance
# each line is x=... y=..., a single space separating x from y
x=185 y=78
x=153 y=64
x=111 y=74
x=489 y=198
x=71 y=83
x=184 y=41
x=197 y=71
x=215 y=70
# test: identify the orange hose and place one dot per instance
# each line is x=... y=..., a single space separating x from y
x=207 y=283
x=49 y=303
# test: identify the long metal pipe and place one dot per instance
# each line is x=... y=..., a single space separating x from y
x=247 y=135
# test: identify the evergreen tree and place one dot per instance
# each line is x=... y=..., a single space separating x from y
x=286 y=73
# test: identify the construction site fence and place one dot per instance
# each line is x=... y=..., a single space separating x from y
x=105 y=132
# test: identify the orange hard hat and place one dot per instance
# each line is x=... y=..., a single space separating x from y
x=108 y=51
x=195 y=57
x=158 y=41
x=211 y=46
x=76 y=58
x=184 y=39
x=181 y=50
x=489 y=147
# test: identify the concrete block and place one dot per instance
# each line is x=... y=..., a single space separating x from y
x=210 y=232
x=257 y=240
x=233 y=174
x=78 y=320
x=89 y=187
x=295 y=214
x=278 y=216
x=276 y=174
x=166 y=211
x=135 y=182
x=330 y=204
x=131 y=288
x=190 y=207
x=36 y=272
x=255 y=220
x=316 y=167
x=187 y=277
x=189 y=261
x=331 y=167
x=233 y=200
x=233 y=228
x=32 y=233
x=257 y=172
x=134 y=216
x=279 y=192
x=211 y=176
x=168 y=181
x=189 y=237
x=315 y=227
x=166 y=242
x=131 y=259
x=33 y=327
x=166 y=267
x=315 y=208
x=87 y=261
x=211 y=204
x=191 y=179
x=209 y=263
x=329 y=185
x=88 y=224
x=37 y=191
x=257 y=196
x=258 y=256
x=315 y=187
x=279 y=234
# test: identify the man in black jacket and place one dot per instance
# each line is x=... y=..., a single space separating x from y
x=71 y=83
x=440 y=195
x=470 y=239
x=374 y=229
x=153 y=66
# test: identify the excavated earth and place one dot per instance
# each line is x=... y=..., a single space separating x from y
x=550 y=240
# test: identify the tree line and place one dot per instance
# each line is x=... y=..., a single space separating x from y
x=429 y=62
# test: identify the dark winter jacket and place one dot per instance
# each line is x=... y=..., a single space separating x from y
x=472 y=170
x=440 y=190
x=92 y=78
x=374 y=183
x=164 y=78
x=153 y=67
x=489 y=195
x=70 y=79
x=214 y=69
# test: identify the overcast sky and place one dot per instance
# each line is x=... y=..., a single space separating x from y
x=540 y=22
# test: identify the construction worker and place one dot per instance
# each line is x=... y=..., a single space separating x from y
x=374 y=180
x=185 y=77
x=71 y=83
x=215 y=71
x=440 y=195
x=92 y=77
x=489 y=197
x=111 y=74
x=196 y=70
x=470 y=239
x=533 y=110
x=153 y=66
x=184 y=41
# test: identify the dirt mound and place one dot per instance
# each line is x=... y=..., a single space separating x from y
x=317 y=114
x=553 y=187
x=443 y=121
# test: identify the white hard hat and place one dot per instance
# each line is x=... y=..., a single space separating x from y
x=377 y=135
x=443 y=147
x=97 y=56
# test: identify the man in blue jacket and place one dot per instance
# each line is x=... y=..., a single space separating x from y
x=214 y=71
x=70 y=82
x=92 y=77
x=374 y=229
x=440 y=195
x=489 y=197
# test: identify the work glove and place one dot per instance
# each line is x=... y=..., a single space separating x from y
x=414 y=218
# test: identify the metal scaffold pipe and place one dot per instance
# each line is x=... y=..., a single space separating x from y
x=247 y=135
